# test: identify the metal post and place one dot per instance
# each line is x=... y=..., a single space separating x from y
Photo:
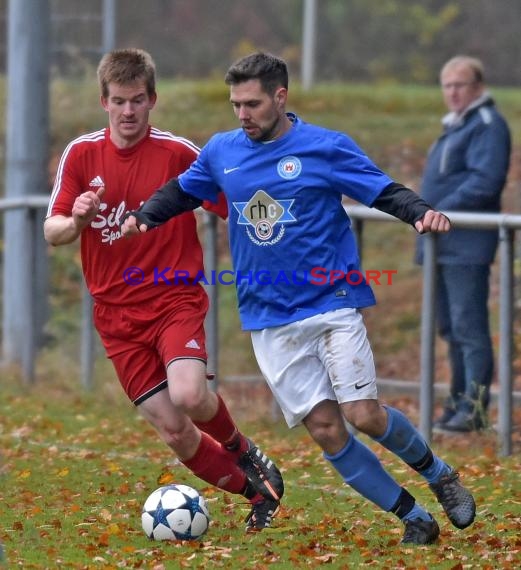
x=87 y=339
x=211 y=324
x=428 y=332
x=26 y=173
x=506 y=310
x=308 y=43
x=109 y=25
x=30 y=293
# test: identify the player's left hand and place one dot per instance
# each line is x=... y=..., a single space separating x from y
x=433 y=221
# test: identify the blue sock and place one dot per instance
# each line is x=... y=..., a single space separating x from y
x=362 y=470
x=405 y=441
x=417 y=513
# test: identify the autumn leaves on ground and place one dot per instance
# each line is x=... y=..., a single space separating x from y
x=76 y=468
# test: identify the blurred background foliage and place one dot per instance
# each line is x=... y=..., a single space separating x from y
x=357 y=40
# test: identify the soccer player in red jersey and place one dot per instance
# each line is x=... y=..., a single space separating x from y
x=150 y=323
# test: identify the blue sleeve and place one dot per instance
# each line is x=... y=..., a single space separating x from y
x=487 y=159
x=198 y=180
x=353 y=172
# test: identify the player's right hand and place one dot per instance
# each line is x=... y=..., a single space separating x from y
x=133 y=223
x=86 y=206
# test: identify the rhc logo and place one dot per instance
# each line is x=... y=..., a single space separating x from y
x=263 y=213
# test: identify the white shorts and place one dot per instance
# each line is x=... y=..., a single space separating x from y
x=325 y=357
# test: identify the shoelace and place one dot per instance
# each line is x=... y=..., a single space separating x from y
x=448 y=490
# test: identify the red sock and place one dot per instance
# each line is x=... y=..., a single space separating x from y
x=223 y=429
x=213 y=464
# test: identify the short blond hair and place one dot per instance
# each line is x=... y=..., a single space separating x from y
x=124 y=66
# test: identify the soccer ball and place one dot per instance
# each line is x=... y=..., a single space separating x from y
x=175 y=512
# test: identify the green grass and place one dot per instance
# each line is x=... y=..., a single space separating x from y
x=76 y=468
x=382 y=118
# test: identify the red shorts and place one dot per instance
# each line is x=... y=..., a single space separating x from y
x=141 y=340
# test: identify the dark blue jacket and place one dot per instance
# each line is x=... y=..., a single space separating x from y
x=466 y=170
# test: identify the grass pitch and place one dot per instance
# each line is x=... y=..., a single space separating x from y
x=75 y=470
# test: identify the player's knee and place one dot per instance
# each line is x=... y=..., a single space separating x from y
x=366 y=416
x=191 y=399
x=328 y=435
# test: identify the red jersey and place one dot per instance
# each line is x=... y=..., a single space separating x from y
x=130 y=176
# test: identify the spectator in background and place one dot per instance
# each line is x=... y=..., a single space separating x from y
x=466 y=170
x=152 y=331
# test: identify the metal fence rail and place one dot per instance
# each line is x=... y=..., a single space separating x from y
x=506 y=224
x=27 y=287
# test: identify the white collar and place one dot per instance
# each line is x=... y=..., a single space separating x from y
x=455 y=119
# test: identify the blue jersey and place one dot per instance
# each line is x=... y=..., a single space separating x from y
x=293 y=250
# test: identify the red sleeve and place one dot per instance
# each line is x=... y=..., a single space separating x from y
x=67 y=184
x=221 y=208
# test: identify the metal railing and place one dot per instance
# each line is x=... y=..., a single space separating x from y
x=507 y=225
x=27 y=288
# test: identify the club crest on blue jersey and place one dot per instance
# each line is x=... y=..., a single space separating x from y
x=289 y=167
x=262 y=213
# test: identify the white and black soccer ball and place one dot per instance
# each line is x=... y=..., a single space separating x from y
x=175 y=512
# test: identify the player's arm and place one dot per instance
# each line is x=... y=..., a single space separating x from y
x=60 y=229
x=406 y=205
x=166 y=202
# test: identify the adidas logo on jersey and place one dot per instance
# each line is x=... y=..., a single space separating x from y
x=96 y=182
x=192 y=344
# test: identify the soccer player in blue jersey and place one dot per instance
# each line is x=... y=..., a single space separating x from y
x=284 y=181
